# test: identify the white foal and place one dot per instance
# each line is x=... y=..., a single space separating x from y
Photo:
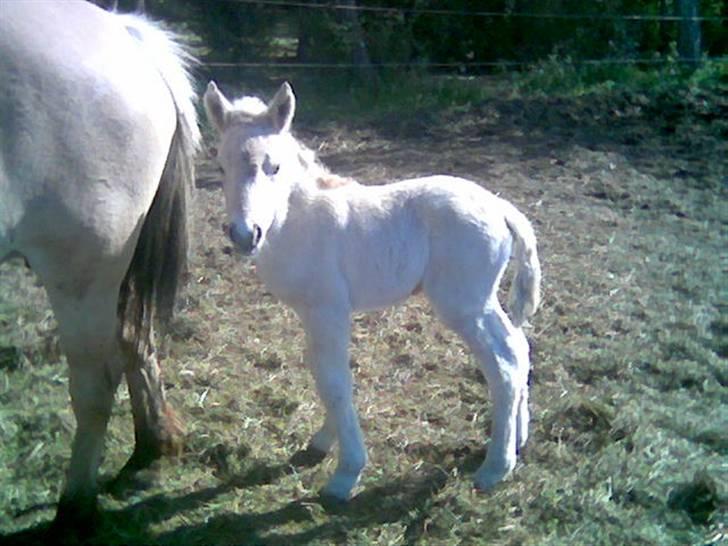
x=329 y=249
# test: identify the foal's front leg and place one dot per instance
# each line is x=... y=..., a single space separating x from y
x=327 y=338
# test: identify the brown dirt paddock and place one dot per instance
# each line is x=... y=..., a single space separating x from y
x=629 y=383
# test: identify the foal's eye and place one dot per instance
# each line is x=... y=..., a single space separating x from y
x=271 y=169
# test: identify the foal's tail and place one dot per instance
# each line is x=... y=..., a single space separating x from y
x=149 y=290
x=526 y=287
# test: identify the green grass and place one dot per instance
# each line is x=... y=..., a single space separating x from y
x=629 y=386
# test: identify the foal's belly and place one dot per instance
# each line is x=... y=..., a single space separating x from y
x=385 y=270
x=383 y=293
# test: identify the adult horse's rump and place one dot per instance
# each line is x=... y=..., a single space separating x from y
x=97 y=137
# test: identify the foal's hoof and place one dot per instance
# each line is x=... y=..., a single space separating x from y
x=306 y=458
x=486 y=479
x=339 y=487
x=333 y=501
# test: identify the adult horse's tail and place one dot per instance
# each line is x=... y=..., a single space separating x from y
x=526 y=287
x=150 y=287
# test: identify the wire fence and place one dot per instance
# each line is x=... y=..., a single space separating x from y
x=478 y=13
x=452 y=65
x=465 y=65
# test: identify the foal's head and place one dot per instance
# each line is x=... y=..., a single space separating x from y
x=259 y=157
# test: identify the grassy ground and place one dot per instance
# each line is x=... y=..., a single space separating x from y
x=629 y=382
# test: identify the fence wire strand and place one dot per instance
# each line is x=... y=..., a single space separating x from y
x=298 y=4
x=463 y=65
x=478 y=13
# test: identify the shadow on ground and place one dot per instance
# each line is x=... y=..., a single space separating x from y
x=396 y=501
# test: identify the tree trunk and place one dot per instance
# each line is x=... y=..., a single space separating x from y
x=307 y=29
x=359 y=51
x=689 y=38
x=663 y=33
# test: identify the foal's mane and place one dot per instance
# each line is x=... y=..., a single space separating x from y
x=330 y=181
x=246 y=110
x=318 y=172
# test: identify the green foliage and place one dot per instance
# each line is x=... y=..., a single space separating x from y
x=406 y=96
x=667 y=76
x=670 y=90
x=419 y=31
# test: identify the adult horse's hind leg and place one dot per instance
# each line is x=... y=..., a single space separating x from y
x=157 y=430
x=88 y=330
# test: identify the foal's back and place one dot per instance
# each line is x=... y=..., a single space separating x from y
x=392 y=240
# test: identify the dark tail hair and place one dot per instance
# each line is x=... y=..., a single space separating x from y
x=159 y=264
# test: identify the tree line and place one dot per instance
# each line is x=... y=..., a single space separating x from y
x=455 y=34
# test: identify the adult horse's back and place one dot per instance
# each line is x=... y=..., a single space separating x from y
x=97 y=137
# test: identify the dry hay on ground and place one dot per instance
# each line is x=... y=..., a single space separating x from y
x=629 y=376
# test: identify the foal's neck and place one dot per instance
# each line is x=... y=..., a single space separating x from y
x=304 y=193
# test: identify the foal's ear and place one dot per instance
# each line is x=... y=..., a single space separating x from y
x=216 y=106
x=282 y=108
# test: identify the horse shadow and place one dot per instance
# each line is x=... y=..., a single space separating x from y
x=395 y=501
x=375 y=506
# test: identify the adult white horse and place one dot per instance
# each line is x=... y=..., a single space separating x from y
x=97 y=138
x=328 y=249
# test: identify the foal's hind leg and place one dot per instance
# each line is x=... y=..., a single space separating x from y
x=462 y=283
x=502 y=351
x=523 y=417
x=327 y=337
x=157 y=430
x=325 y=437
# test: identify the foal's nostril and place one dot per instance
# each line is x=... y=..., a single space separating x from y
x=245 y=239
x=257 y=234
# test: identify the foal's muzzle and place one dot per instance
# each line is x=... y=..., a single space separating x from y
x=245 y=239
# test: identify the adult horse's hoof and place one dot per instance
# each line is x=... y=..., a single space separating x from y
x=76 y=520
x=130 y=480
